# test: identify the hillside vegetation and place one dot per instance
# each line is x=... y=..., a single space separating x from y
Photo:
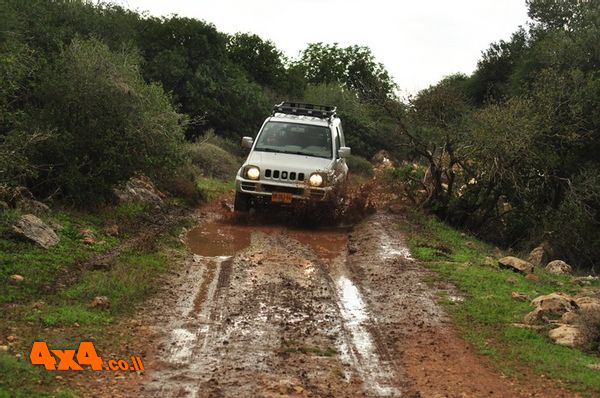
x=91 y=94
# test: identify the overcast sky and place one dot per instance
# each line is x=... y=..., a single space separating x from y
x=419 y=41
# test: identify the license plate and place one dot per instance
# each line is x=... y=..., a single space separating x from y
x=281 y=197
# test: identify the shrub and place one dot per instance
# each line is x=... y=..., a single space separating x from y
x=359 y=165
x=183 y=184
x=213 y=161
x=109 y=123
x=589 y=326
x=406 y=180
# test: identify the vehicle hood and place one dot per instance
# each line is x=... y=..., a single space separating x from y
x=288 y=162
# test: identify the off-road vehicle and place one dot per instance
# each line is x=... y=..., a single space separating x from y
x=298 y=156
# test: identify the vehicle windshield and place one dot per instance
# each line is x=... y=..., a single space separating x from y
x=294 y=138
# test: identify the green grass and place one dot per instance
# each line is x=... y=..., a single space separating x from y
x=19 y=379
x=487 y=314
x=212 y=187
x=53 y=303
x=129 y=211
x=42 y=268
x=66 y=314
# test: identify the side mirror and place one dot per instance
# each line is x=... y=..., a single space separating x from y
x=344 y=152
x=247 y=142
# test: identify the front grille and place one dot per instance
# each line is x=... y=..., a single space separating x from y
x=277 y=188
x=284 y=175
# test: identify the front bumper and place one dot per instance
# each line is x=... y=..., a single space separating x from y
x=264 y=189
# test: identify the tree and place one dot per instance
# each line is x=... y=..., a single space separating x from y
x=435 y=131
x=259 y=58
x=354 y=67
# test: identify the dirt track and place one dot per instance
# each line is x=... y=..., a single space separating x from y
x=268 y=310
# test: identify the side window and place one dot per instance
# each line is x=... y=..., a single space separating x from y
x=337 y=142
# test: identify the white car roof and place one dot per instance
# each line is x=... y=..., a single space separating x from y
x=285 y=118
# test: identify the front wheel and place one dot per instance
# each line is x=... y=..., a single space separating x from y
x=241 y=202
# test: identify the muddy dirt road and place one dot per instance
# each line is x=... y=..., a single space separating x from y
x=269 y=310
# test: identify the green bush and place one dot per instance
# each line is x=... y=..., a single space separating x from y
x=359 y=165
x=213 y=161
x=406 y=180
x=183 y=184
x=108 y=123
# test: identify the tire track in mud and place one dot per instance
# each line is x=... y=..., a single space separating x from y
x=362 y=344
x=293 y=299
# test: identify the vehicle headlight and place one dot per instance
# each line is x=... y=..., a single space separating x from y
x=252 y=172
x=316 y=180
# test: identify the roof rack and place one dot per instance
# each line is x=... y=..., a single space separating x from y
x=302 y=109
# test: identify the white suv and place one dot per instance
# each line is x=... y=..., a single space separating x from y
x=298 y=156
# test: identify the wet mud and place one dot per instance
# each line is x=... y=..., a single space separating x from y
x=269 y=309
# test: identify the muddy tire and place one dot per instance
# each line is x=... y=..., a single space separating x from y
x=241 y=202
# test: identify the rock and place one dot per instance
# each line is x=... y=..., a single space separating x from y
x=88 y=240
x=569 y=317
x=595 y=366
x=530 y=327
x=589 y=292
x=21 y=193
x=567 y=335
x=532 y=278
x=489 y=261
x=558 y=267
x=539 y=256
x=32 y=206
x=516 y=264
x=32 y=228
x=519 y=296
x=112 y=230
x=3 y=348
x=383 y=159
x=534 y=316
x=11 y=339
x=15 y=279
x=557 y=303
x=139 y=189
x=100 y=302
x=584 y=280
x=87 y=236
x=511 y=280
x=86 y=232
x=588 y=303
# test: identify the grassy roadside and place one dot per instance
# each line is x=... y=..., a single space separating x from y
x=488 y=312
x=53 y=302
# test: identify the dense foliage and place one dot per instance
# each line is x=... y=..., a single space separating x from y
x=92 y=93
x=512 y=150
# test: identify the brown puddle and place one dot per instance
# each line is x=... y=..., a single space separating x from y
x=216 y=239
x=327 y=244
x=219 y=238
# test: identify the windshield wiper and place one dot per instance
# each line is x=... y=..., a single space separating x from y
x=305 y=154
x=269 y=150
